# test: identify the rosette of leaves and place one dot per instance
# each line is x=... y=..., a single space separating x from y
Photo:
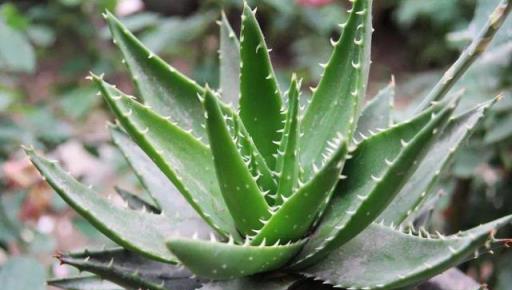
x=248 y=189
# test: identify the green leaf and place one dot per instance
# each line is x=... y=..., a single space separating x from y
x=501 y=131
x=336 y=101
x=163 y=192
x=130 y=270
x=89 y=282
x=287 y=164
x=378 y=169
x=173 y=34
x=419 y=186
x=141 y=232
x=239 y=188
x=162 y=87
x=377 y=114
x=384 y=258
x=135 y=202
x=254 y=283
x=260 y=101
x=22 y=273
x=77 y=103
x=214 y=260
x=469 y=55
x=16 y=52
x=293 y=219
x=182 y=158
x=12 y=16
x=10 y=225
x=229 y=55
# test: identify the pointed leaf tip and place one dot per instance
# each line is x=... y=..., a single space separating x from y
x=146 y=232
x=397 y=259
x=160 y=85
x=260 y=102
x=229 y=55
x=336 y=101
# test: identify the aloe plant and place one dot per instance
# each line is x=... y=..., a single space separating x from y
x=249 y=189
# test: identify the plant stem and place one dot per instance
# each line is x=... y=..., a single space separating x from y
x=468 y=56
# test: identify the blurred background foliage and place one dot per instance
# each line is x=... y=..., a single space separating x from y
x=48 y=47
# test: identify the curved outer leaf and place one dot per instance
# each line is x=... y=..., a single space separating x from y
x=183 y=159
x=256 y=283
x=469 y=55
x=335 y=105
x=169 y=92
x=136 y=202
x=245 y=201
x=210 y=259
x=135 y=230
x=229 y=55
x=377 y=114
x=375 y=174
x=165 y=194
x=414 y=193
x=287 y=164
x=131 y=270
x=292 y=220
x=260 y=101
x=383 y=258
x=89 y=282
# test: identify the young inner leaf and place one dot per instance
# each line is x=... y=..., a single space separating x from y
x=241 y=193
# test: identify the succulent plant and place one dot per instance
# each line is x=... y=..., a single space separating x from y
x=266 y=192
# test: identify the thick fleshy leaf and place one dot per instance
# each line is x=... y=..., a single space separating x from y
x=377 y=114
x=89 y=282
x=162 y=87
x=139 y=231
x=229 y=55
x=164 y=193
x=293 y=219
x=239 y=188
x=132 y=271
x=378 y=169
x=260 y=100
x=336 y=101
x=287 y=165
x=469 y=55
x=256 y=283
x=136 y=202
x=182 y=158
x=214 y=260
x=419 y=186
x=384 y=258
